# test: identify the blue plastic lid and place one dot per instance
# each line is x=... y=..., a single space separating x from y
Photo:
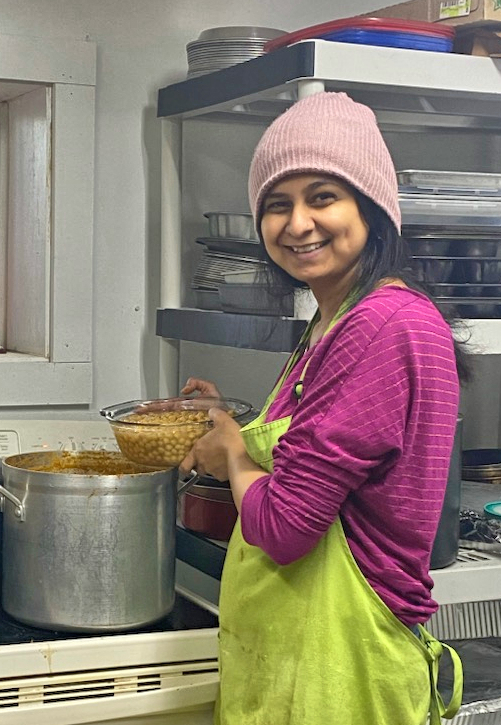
x=493 y=509
x=391 y=39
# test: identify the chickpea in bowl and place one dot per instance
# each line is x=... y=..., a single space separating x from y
x=160 y=433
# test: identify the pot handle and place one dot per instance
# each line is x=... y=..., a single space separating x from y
x=188 y=482
x=20 y=511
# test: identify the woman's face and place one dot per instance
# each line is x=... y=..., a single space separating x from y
x=312 y=228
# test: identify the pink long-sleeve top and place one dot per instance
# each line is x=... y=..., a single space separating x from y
x=370 y=440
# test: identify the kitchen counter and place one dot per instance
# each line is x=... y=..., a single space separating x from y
x=476 y=576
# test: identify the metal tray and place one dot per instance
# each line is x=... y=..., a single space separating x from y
x=481 y=213
x=450 y=182
x=207 y=299
x=238 y=247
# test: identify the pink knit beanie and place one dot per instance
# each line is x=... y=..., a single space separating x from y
x=327 y=133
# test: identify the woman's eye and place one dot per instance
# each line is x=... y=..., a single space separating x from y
x=324 y=197
x=276 y=206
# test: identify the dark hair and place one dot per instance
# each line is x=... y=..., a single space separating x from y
x=385 y=255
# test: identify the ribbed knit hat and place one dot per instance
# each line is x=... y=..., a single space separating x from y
x=327 y=133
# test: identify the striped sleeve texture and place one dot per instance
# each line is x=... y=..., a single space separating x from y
x=370 y=440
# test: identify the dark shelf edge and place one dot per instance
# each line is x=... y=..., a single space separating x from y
x=251 y=332
x=199 y=552
x=252 y=76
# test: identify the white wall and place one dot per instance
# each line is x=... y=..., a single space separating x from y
x=141 y=47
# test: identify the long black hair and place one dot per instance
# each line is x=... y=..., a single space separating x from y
x=386 y=255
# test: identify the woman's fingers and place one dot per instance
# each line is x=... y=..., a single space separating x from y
x=204 y=387
x=188 y=464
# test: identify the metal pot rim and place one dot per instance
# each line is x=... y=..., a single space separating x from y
x=48 y=456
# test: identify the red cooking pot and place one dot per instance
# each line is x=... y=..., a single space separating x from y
x=206 y=507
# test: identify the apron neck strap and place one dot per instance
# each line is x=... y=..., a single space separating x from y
x=301 y=347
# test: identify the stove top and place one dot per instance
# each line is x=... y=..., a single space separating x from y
x=184 y=615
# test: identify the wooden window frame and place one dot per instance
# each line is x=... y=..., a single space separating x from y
x=63 y=374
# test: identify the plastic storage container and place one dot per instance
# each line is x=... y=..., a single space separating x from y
x=391 y=39
x=356 y=25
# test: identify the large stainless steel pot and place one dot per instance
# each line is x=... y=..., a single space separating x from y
x=87 y=552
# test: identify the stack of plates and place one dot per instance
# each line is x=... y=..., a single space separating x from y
x=213 y=266
x=482 y=464
x=210 y=273
x=218 y=48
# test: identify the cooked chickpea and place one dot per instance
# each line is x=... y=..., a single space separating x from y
x=160 y=439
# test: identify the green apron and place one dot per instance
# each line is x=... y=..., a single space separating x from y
x=312 y=643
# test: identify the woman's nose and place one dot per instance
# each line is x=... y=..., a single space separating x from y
x=300 y=221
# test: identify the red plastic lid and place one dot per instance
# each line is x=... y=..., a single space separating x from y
x=395 y=24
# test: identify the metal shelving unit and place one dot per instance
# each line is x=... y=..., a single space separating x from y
x=406 y=89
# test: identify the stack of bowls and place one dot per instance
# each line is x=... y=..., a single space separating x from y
x=482 y=465
x=231 y=247
x=217 y=48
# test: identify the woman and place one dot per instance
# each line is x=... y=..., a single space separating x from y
x=339 y=483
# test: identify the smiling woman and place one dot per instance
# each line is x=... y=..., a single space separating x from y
x=339 y=481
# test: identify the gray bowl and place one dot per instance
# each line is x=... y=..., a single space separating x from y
x=229 y=225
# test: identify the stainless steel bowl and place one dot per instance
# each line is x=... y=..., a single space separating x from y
x=227 y=225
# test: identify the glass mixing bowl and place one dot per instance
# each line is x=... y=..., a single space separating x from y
x=160 y=433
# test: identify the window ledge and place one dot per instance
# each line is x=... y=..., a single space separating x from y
x=19 y=357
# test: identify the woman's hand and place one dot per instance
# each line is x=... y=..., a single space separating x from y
x=221 y=453
x=204 y=387
x=211 y=452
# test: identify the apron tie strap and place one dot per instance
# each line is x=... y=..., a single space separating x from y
x=438 y=709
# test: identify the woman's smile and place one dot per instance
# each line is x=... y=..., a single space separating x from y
x=308 y=248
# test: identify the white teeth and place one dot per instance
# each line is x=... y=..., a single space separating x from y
x=307 y=248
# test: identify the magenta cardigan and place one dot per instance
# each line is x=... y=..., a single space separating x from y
x=370 y=440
